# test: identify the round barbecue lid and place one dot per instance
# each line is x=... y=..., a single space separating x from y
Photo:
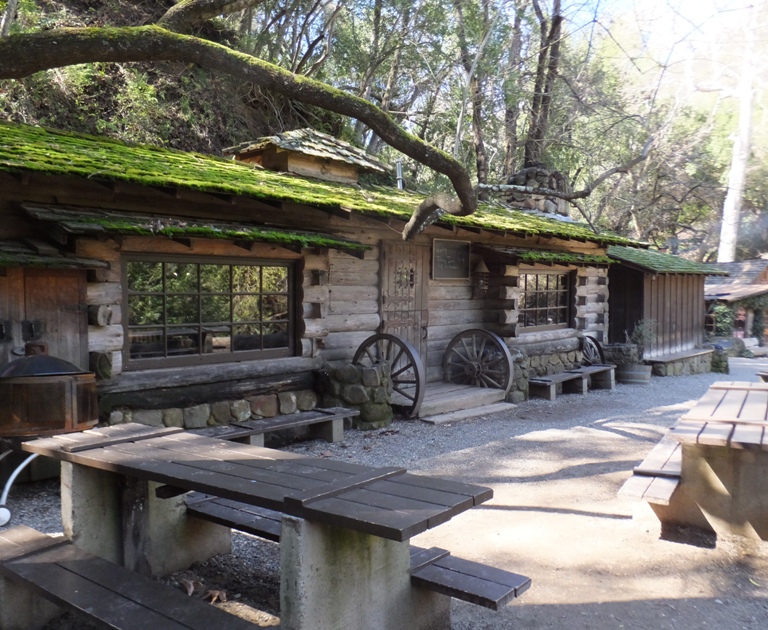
x=39 y=365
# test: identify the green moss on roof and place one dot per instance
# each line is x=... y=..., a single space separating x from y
x=657 y=262
x=78 y=221
x=27 y=148
x=546 y=257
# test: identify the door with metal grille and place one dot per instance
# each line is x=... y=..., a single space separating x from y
x=404 y=308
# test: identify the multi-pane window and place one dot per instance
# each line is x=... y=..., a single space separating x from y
x=207 y=310
x=544 y=299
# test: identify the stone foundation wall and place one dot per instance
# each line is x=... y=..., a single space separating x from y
x=541 y=359
x=221 y=412
x=699 y=364
x=368 y=389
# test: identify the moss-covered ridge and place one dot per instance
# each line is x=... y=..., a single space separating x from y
x=77 y=221
x=658 y=262
x=551 y=258
x=27 y=148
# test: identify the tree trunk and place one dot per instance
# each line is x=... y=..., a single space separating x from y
x=737 y=175
x=546 y=71
x=473 y=90
x=10 y=13
x=512 y=95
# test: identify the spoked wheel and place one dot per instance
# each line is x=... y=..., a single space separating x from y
x=480 y=358
x=592 y=352
x=408 y=374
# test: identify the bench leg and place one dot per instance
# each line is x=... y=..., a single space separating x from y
x=575 y=386
x=548 y=392
x=604 y=380
x=335 y=578
x=257 y=439
x=331 y=431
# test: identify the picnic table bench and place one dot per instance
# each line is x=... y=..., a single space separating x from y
x=715 y=478
x=433 y=569
x=657 y=478
x=344 y=530
x=327 y=424
x=100 y=591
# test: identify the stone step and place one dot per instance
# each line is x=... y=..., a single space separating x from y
x=446 y=401
x=466 y=414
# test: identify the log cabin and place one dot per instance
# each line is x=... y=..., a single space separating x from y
x=201 y=289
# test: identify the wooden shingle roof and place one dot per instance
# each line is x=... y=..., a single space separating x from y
x=25 y=149
x=658 y=262
x=316 y=144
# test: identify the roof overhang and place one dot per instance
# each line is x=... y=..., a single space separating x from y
x=35 y=253
x=517 y=255
x=659 y=263
x=77 y=221
x=734 y=293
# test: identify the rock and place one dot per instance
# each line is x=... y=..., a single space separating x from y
x=197 y=417
x=150 y=417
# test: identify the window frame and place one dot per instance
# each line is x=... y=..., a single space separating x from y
x=202 y=358
x=569 y=291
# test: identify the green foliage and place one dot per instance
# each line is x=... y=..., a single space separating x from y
x=643 y=334
x=724 y=318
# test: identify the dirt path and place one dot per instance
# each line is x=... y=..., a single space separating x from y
x=556 y=517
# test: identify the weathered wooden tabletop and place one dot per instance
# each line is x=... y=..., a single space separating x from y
x=731 y=413
x=386 y=502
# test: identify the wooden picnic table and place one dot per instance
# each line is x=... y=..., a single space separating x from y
x=345 y=530
x=724 y=442
x=386 y=502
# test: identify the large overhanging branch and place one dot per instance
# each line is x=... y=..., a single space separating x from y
x=24 y=54
x=182 y=16
x=577 y=194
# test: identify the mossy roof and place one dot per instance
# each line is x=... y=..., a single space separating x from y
x=20 y=254
x=658 y=262
x=27 y=148
x=316 y=144
x=82 y=221
x=548 y=257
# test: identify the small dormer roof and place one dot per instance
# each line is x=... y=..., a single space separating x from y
x=314 y=143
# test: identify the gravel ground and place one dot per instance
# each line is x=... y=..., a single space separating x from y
x=555 y=467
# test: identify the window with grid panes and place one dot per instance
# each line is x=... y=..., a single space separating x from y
x=545 y=299
x=183 y=311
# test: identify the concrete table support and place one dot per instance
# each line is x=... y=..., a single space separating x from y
x=121 y=520
x=339 y=579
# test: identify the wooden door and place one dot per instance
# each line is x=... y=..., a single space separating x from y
x=404 y=299
x=53 y=298
x=56 y=298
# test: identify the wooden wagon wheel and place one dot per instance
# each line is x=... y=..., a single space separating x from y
x=480 y=358
x=408 y=374
x=592 y=351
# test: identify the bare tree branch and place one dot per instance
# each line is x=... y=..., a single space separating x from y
x=577 y=194
x=183 y=16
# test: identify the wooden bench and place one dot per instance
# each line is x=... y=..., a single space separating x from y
x=100 y=591
x=658 y=476
x=323 y=423
x=599 y=376
x=431 y=569
x=546 y=386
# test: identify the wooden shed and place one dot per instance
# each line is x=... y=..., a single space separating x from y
x=662 y=289
x=187 y=280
